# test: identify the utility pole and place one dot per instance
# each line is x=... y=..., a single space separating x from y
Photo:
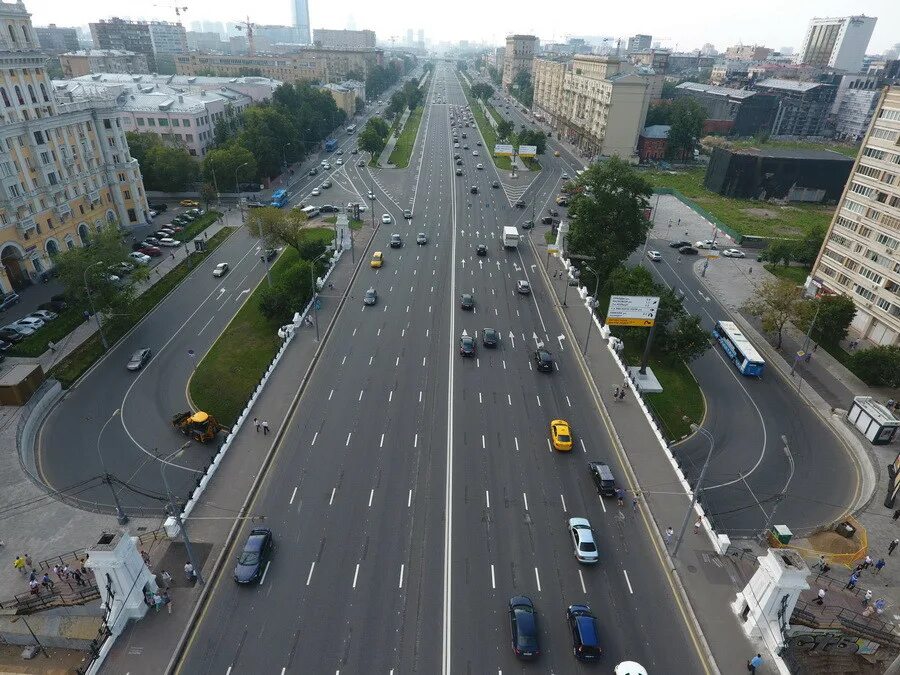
x=238 y=190
x=808 y=335
x=593 y=305
x=121 y=516
x=176 y=514
x=697 y=487
x=91 y=303
x=770 y=519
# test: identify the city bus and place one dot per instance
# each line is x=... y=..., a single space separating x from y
x=279 y=198
x=331 y=145
x=738 y=348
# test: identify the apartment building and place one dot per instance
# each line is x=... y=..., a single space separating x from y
x=258 y=89
x=518 y=56
x=159 y=41
x=861 y=254
x=86 y=61
x=854 y=104
x=594 y=103
x=802 y=106
x=356 y=39
x=639 y=42
x=747 y=53
x=55 y=39
x=837 y=42
x=345 y=94
x=65 y=168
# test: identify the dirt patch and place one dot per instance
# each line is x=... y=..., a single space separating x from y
x=762 y=213
x=832 y=542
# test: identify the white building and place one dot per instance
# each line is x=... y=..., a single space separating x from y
x=258 y=89
x=838 y=42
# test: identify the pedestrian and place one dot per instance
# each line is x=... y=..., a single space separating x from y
x=892 y=546
x=51 y=346
x=66 y=572
x=697 y=525
x=256 y=423
x=867 y=563
x=890 y=403
x=821 y=563
x=616 y=394
x=57 y=570
x=79 y=580
x=896 y=514
x=815 y=346
x=634 y=503
x=189 y=572
x=622 y=395
x=34 y=586
x=625 y=383
x=145 y=557
x=867 y=597
x=166 y=579
x=669 y=533
x=167 y=599
x=620 y=497
x=879 y=605
x=47 y=582
x=265 y=428
x=28 y=561
x=32 y=576
x=157 y=601
x=820 y=599
x=807 y=357
x=851 y=584
x=754 y=663
x=19 y=564
x=749 y=270
x=879 y=565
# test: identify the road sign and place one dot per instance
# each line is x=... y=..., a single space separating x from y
x=552 y=248
x=632 y=310
x=502 y=150
x=527 y=150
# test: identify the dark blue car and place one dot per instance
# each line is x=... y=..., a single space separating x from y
x=523 y=626
x=585 y=636
x=253 y=559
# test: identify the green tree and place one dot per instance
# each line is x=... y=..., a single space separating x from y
x=220 y=166
x=288 y=295
x=265 y=129
x=532 y=137
x=776 y=302
x=522 y=89
x=371 y=141
x=208 y=193
x=609 y=223
x=482 y=91
x=780 y=251
x=668 y=90
x=496 y=76
x=686 y=339
x=808 y=248
x=396 y=104
x=686 y=117
x=878 y=366
x=278 y=226
x=171 y=169
x=505 y=128
x=835 y=313
x=659 y=113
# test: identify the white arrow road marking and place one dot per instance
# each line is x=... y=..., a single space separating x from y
x=246 y=290
x=512 y=338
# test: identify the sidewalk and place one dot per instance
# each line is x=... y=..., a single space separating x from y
x=146 y=646
x=706 y=582
x=392 y=141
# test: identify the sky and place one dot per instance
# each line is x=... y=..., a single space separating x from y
x=676 y=25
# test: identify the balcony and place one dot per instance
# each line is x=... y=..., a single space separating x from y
x=63 y=211
x=94 y=196
x=25 y=225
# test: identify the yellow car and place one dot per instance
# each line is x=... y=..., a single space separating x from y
x=377 y=259
x=556 y=153
x=560 y=435
x=189 y=203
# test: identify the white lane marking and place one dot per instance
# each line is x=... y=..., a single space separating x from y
x=315 y=436
x=549 y=447
x=493 y=578
x=360 y=395
x=400 y=585
x=293 y=494
x=537 y=578
x=509 y=399
x=206 y=324
x=354 y=331
x=349 y=434
x=538 y=400
x=331 y=501
x=568 y=401
x=416 y=441
x=563 y=500
x=479 y=397
x=628 y=581
x=487 y=498
x=583 y=588
x=516 y=441
x=309 y=576
x=265 y=572
x=409 y=499
x=483 y=446
x=381 y=443
x=423 y=361
x=390 y=395
x=378 y=333
x=355 y=575
x=420 y=395
x=371 y=496
x=343 y=360
x=330 y=394
x=583 y=449
x=397 y=361
x=504 y=364
x=525 y=498
x=602 y=503
x=371 y=358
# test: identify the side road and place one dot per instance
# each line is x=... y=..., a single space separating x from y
x=147 y=646
x=703 y=587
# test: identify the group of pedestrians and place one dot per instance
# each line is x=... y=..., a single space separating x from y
x=261 y=425
x=38 y=582
x=619 y=392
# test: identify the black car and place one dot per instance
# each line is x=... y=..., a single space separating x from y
x=543 y=360
x=490 y=337
x=585 y=636
x=456 y=156
x=467 y=345
x=328 y=208
x=253 y=559
x=549 y=220
x=159 y=208
x=520 y=203
x=459 y=162
x=523 y=626
x=9 y=335
x=459 y=171
x=466 y=301
x=481 y=250
x=687 y=250
x=8 y=300
x=603 y=478
x=396 y=241
x=528 y=224
x=553 y=212
x=269 y=253
x=4 y=345
x=474 y=189
x=495 y=184
x=139 y=359
x=314 y=171
x=679 y=244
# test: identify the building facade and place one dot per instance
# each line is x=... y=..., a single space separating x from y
x=592 y=102
x=355 y=39
x=128 y=36
x=300 y=10
x=838 y=42
x=747 y=53
x=345 y=95
x=803 y=107
x=854 y=104
x=65 y=168
x=638 y=43
x=519 y=54
x=861 y=254
x=653 y=143
x=740 y=112
x=84 y=62
x=56 y=40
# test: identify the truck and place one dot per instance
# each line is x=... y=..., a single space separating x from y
x=510 y=237
x=330 y=145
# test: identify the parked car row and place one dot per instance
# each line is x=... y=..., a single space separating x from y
x=29 y=325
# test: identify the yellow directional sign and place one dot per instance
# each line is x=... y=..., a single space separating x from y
x=639 y=323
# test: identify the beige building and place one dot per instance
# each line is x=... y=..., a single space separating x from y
x=65 y=169
x=345 y=95
x=861 y=254
x=357 y=39
x=593 y=102
x=520 y=52
x=323 y=64
x=747 y=53
x=87 y=61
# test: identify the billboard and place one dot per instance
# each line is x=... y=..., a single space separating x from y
x=632 y=310
x=527 y=150
x=502 y=150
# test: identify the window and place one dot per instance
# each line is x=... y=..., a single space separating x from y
x=140 y=121
x=889 y=114
x=44 y=93
x=864 y=292
x=151 y=122
x=847 y=223
x=19 y=95
x=187 y=123
x=887 y=241
x=865 y=231
x=861 y=189
x=869 y=171
x=163 y=122
x=31 y=94
x=884 y=134
x=175 y=122
x=52 y=178
x=854 y=207
x=838 y=239
x=874 y=153
x=6 y=101
x=126 y=194
x=871 y=275
x=12 y=33
x=107 y=124
x=39 y=137
x=189 y=137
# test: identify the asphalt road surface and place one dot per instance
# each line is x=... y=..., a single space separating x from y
x=415 y=491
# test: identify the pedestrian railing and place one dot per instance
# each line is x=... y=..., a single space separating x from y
x=850 y=621
x=28 y=603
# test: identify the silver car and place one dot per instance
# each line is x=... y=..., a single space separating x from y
x=371 y=297
x=655 y=256
x=583 y=540
x=523 y=287
x=138 y=359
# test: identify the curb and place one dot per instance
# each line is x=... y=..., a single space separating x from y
x=206 y=592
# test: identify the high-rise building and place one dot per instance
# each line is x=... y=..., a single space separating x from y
x=861 y=254
x=520 y=51
x=85 y=61
x=355 y=39
x=838 y=42
x=65 y=168
x=421 y=37
x=159 y=41
x=56 y=40
x=409 y=36
x=638 y=43
x=301 y=20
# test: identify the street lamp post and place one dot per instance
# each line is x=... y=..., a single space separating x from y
x=697 y=487
x=91 y=303
x=771 y=517
x=315 y=299
x=176 y=514
x=35 y=637
x=238 y=189
x=593 y=304
x=121 y=516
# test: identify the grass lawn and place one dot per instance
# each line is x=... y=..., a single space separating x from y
x=354 y=224
x=72 y=366
x=225 y=378
x=795 y=274
x=404 y=147
x=744 y=215
x=487 y=131
x=843 y=148
x=198 y=226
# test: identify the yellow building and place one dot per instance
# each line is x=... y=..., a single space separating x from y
x=65 y=169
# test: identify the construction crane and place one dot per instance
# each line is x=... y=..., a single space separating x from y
x=179 y=9
x=248 y=26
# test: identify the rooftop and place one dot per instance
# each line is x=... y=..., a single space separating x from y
x=793 y=153
x=789 y=85
x=100 y=52
x=657 y=131
x=730 y=92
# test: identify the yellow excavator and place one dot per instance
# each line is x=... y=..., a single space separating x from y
x=200 y=426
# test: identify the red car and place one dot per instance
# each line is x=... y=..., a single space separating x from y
x=152 y=251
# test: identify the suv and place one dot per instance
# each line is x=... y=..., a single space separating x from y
x=8 y=300
x=603 y=478
x=585 y=638
x=543 y=360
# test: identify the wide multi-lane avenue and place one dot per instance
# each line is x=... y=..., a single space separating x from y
x=414 y=491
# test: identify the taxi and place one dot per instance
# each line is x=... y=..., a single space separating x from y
x=377 y=259
x=560 y=435
x=189 y=202
x=556 y=153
